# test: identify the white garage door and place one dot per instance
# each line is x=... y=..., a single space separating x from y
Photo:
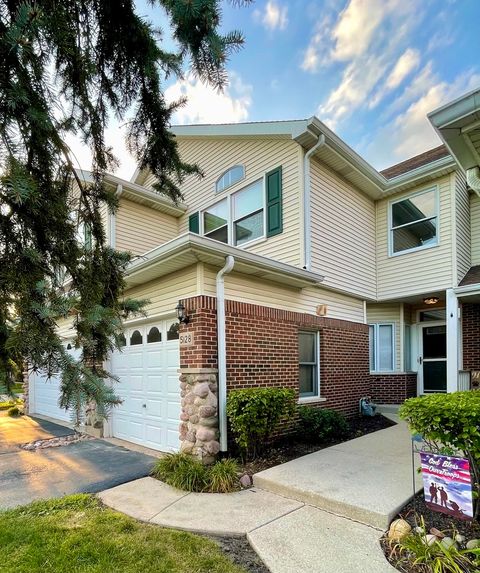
x=147 y=369
x=45 y=393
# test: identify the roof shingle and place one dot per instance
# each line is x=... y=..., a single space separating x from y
x=415 y=162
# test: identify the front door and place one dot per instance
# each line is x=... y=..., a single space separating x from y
x=433 y=358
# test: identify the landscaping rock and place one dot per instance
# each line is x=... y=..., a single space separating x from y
x=437 y=533
x=473 y=544
x=246 y=480
x=399 y=529
x=459 y=538
x=448 y=542
x=430 y=539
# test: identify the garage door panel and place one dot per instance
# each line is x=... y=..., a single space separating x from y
x=148 y=375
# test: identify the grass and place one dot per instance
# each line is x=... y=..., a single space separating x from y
x=76 y=534
x=187 y=473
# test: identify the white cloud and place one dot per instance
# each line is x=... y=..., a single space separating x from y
x=405 y=65
x=207 y=105
x=409 y=132
x=356 y=26
x=274 y=17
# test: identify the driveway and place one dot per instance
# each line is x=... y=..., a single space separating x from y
x=86 y=466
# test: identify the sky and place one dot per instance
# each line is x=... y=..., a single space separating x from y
x=370 y=69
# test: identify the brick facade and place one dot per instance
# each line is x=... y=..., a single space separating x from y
x=393 y=388
x=262 y=349
x=471 y=336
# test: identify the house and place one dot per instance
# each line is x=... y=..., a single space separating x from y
x=293 y=262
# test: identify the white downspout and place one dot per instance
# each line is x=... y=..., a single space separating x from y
x=306 y=201
x=222 y=357
x=473 y=179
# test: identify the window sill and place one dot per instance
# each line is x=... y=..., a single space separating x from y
x=414 y=250
x=252 y=243
x=311 y=400
x=382 y=372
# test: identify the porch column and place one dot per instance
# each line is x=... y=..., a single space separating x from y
x=453 y=334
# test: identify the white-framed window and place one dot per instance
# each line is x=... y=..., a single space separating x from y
x=230 y=177
x=407 y=348
x=382 y=347
x=309 y=364
x=413 y=222
x=238 y=218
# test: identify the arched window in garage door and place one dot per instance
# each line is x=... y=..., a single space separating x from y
x=136 y=338
x=172 y=332
x=154 y=335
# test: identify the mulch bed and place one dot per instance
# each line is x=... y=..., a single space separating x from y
x=292 y=448
x=448 y=525
x=241 y=553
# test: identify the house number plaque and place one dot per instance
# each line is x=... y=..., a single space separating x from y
x=187 y=339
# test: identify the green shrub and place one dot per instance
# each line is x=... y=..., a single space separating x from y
x=223 y=476
x=255 y=413
x=187 y=473
x=6 y=405
x=414 y=553
x=14 y=411
x=321 y=424
x=449 y=424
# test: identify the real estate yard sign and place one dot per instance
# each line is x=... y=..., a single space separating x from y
x=447 y=485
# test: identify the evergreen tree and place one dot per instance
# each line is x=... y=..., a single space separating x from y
x=65 y=67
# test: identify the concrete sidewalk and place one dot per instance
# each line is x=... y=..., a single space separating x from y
x=367 y=479
x=322 y=513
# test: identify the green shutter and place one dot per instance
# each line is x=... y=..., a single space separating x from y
x=194 y=223
x=274 y=202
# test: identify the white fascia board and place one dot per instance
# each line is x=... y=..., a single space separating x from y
x=467 y=289
x=290 y=128
x=456 y=111
x=191 y=241
x=420 y=172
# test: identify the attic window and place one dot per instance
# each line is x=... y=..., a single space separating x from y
x=414 y=222
x=229 y=178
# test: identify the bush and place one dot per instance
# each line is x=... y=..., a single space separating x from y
x=449 y=423
x=14 y=411
x=255 y=413
x=223 y=476
x=321 y=424
x=187 y=473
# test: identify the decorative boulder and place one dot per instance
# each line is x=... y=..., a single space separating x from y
x=473 y=544
x=398 y=530
x=246 y=480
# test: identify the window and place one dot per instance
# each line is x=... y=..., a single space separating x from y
x=414 y=222
x=433 y=314
x=122 y=341
x=230 y=177
x=173 y=331
x=237 y=219
x=136 y=338
x=308 y=359
x=154 y=335
x=382 y=339
x=248 y=213
x=407 y=348
x=215 y=221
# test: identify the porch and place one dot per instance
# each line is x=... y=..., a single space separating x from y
x=425 y=344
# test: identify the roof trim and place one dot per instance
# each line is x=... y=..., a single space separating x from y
x=189 y=242
x=138 y=193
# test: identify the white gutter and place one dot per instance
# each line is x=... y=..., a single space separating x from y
x=222 y=356
x=473 y=179
x=307 y=227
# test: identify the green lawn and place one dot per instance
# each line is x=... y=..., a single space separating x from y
x=76 y=534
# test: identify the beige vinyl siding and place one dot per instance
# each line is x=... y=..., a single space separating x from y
x=164 y=293
x=258 y=156
x=462 y=225
x=387 y=314
x=139 y=228
x=244 y=288
x=343 y=233
x=65 y=328
x=475 y=228
x=421 y=271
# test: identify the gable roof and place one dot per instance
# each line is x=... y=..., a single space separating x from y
x=335 y=153
x=472 y=277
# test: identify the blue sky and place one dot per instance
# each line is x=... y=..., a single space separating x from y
x=370 y=69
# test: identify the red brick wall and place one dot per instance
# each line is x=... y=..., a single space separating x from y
x=393 y=388
x=262 y=349
x=471 y=336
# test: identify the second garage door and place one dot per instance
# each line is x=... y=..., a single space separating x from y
x=147 y=369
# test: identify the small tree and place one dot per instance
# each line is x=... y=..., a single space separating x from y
x=449 y=423
x=255 y=414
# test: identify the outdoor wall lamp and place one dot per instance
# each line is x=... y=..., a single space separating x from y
x=431 y=300
x=181 y=315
